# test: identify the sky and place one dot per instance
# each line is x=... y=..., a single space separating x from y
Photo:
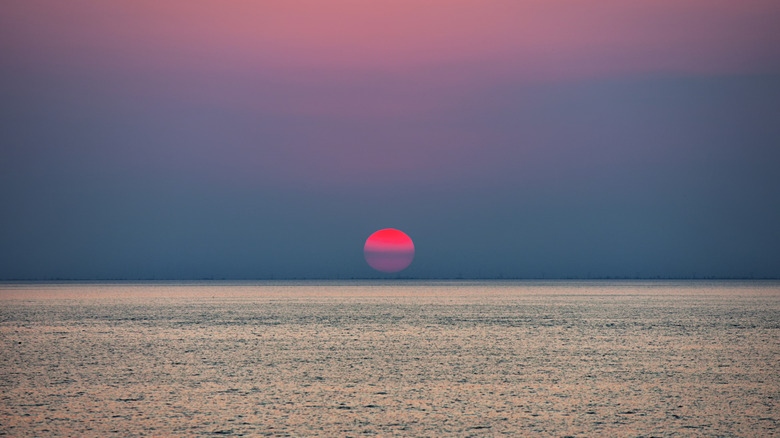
x=180 y=139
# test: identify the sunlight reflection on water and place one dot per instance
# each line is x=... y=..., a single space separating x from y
x=391 y=358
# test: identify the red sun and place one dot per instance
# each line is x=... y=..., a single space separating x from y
x=389 y=250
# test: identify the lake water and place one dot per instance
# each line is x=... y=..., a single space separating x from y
x=396 y=358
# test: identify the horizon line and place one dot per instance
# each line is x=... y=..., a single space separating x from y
x=225 y=279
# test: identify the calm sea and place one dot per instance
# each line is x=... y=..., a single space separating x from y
x=410 y=358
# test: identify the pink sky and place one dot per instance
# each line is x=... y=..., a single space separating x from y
x=533 y=39
x=538 y=137
x=368 y=89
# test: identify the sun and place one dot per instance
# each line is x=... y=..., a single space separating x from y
x=389 y=250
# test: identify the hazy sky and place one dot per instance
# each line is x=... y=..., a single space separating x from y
x=256 y=139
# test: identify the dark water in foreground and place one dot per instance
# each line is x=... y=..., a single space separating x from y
x=391 y=359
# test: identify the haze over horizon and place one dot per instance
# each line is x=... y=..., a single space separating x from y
x=575 y=139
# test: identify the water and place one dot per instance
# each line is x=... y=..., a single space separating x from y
x=391 y=359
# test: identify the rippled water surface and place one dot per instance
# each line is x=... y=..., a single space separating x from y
x=391 y=359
